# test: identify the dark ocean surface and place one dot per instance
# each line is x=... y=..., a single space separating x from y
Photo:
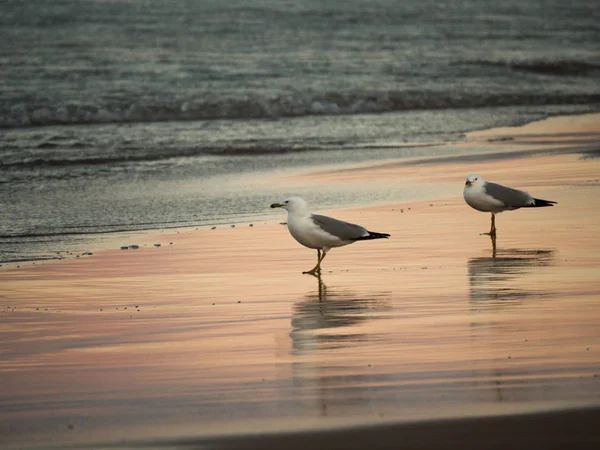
x=131 y=115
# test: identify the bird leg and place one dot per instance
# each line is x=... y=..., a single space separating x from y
x=492 y=235
x=492 y=232
x=317 y=268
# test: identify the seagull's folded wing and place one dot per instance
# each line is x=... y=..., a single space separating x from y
x=512 y=198
x=340 y=229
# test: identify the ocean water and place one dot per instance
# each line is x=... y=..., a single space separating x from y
x=141 y=114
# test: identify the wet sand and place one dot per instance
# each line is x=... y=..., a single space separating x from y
x=420 y=341
x=544 y=430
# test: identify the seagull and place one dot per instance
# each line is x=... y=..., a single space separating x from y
x=321 y=232
x=495 y=198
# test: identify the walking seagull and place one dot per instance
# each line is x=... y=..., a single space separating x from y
x=321 y=232
x=495 y=198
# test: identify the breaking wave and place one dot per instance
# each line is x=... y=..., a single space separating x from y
x=257 y=107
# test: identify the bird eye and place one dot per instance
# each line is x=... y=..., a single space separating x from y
x=286 y=201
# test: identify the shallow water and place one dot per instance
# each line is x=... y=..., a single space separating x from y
x=129 y=115
x=107 y=178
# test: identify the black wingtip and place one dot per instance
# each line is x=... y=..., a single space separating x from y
x=374 y=235
x=538 y=202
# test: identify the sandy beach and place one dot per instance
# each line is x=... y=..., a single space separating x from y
x=424 y=340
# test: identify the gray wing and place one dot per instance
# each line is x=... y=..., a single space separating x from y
x=512 y=198
x=343 y=230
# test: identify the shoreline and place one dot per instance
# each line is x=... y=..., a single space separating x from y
x=530 y=136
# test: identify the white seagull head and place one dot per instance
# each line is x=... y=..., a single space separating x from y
x=474 y=180
x=293 y=205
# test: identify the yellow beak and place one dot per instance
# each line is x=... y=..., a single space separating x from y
x=276 y=205
x=469 y=183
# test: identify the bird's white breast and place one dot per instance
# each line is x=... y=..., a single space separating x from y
x=478 y=199
x=305 y=231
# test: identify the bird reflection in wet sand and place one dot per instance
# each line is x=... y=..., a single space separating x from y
x=495 y=283
x=312 y=338
x=495 y=280
x=325 y=309
x=494 y=249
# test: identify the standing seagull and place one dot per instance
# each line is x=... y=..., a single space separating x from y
x=321 y=232
x=495 y=198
